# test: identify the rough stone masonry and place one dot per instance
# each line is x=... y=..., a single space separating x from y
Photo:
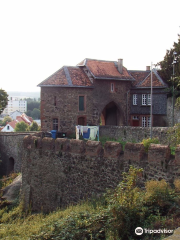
x=56 y=173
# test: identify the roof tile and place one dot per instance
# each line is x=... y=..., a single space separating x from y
x=58 y=78
x=107 y=69
x=78 y=77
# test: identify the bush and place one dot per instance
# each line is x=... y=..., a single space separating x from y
x=174 y=135
x=147 y=142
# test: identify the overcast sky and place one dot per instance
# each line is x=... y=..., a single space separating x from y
x=38 y=37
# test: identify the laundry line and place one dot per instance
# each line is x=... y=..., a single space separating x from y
x=87 y=132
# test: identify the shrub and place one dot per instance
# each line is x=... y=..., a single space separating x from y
x=147 y=142
x=174 y=135
x=159 y=196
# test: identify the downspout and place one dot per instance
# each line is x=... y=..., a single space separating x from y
x=127 y=108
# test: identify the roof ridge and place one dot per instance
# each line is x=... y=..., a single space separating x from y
x=100 y=60
x=68 y=75
x=157 y=75
x=143 y=79
x=49 y=77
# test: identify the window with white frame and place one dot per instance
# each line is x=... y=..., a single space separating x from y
x=143 y=99
x=143 y=121
x=149 y=99
x=134 y=99
x=146 y=121
x=149 y=121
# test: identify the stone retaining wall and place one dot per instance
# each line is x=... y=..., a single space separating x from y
x=134 y=134
x=56 y=173
x=11 y=148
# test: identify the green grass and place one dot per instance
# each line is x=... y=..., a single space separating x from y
x=113 y=216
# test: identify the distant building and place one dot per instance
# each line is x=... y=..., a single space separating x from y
x=10 y=126
x=15 y=105
x=15 y=114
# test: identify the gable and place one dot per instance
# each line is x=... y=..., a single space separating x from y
x=67 y=77
x=143 y=79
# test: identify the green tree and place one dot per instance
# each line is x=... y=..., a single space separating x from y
x=35 y=114
x=32 y=105
x=166 y=65
x=3 y=100
x=34 y=127
x=6 y=119
x=21 y=127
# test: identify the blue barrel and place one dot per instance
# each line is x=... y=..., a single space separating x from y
x=53 y=134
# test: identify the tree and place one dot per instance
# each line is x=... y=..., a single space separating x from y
x=166 y=66
x=21 y=127
x=3 y=100
x=35 y=114
x=34 y=127
x=6 y=119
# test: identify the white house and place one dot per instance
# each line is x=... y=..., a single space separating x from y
x=10 y=126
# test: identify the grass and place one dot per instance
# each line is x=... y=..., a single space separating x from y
x=113 y=216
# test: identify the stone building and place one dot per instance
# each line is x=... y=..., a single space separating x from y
x=99 y=92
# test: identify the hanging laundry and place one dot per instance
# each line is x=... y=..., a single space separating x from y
x=86 y=134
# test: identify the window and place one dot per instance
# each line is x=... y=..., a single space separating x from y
x=112 y=87
x=54 y=100
x=143 y=121
x=146 y=121
x=149 y=121
x=55 y=124
x=134 y=99
x=143 y=99
x=7 y=127
x=135 y=118
x=149 y=99
x=81 y=103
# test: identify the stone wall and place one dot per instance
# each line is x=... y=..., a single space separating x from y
x=59 y=172
x=169 y=112
x=66 y=109
x=11 y=148
x=134 y=134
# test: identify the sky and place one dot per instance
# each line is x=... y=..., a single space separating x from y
x=38 y=37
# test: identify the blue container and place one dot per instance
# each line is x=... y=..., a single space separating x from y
x=53 y=134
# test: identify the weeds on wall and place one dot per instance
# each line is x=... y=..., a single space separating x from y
x=174 y=135
x=147 y=142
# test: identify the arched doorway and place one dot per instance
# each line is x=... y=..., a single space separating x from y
x=110 y=115
x=11 y=165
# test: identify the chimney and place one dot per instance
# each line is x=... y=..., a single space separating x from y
x=120 y=65
x=147 y=68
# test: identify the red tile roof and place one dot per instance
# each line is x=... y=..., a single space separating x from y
x=78 y=77
x=106 y=70
x=24 y=118
x=58 y=78
x=68 y=77
x=139 y=76
x=143 y=79
x=13 y=123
